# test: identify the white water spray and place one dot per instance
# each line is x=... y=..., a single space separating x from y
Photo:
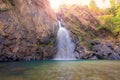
x=65 y=45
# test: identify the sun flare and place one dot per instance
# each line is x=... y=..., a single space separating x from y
x=55 y=4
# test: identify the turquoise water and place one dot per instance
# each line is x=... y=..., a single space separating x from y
x=60 y=70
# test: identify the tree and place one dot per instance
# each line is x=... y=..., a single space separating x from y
x=112 y=2
x=112 y=21
x=93 y=5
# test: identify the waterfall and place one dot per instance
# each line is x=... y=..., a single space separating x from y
x=64 y=44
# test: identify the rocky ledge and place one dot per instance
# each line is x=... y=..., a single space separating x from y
x=99 y=50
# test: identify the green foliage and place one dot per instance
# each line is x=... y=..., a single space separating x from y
x=111 y=21
x=112 y=2
x=112 y=24
x=9 y=2
x=93 y=6
x=111 y=11
x=115 y=8
x=3 y=10
x=118 y=11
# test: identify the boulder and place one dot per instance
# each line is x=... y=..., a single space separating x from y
x=105 y=50
x=80 y=52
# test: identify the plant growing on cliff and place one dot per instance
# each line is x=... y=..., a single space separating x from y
x=9 y=2
x=93 y=6
x=111 y=21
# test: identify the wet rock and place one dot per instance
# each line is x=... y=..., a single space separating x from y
x=105 y=51
x=15 y=57
x=80 y=52
x=118 y=50
x=29 y=57
x=114 y=56
x=94 y=58
x=77 y=55
x=46 y=40
x=2 y=40
x=95 y=42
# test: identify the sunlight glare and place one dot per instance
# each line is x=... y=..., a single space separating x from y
x=55 y=4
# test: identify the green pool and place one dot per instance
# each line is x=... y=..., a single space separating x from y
x=60 y=70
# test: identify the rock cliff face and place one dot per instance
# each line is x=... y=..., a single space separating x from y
x=27 y=30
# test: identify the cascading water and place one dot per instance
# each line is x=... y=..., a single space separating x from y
x=65 y=45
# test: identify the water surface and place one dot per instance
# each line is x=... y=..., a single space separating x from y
x=60 y=70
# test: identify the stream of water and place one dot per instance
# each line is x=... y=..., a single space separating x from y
x=65 y=45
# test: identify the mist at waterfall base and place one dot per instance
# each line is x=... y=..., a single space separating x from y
x=64 y=44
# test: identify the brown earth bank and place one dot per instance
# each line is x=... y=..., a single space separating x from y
x=28 y=32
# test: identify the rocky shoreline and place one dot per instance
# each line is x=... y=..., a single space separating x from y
x=99 y=51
